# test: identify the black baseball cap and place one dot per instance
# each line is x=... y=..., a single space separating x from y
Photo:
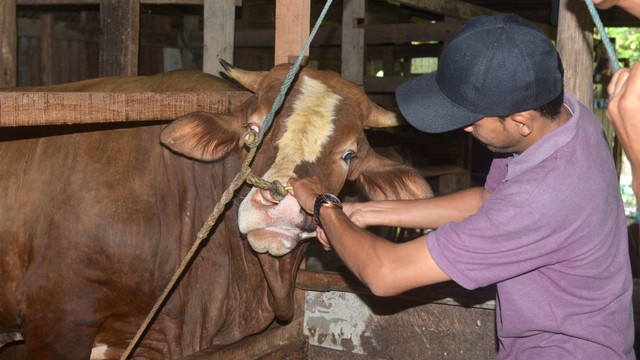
x=493 y=66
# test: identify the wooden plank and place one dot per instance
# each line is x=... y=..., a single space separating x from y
x=446 y=293
x=51 y=108
x=353 y=14
x=403 y=33
x=219 y=27
x=120 y=23
x=370 y=327
x=292 y=29
x=374 y=34
x=8 y=43
x=460 y=9
x=575 y=45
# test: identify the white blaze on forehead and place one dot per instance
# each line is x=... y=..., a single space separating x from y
x=308 y=128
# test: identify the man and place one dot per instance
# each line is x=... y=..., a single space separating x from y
x=548 y=227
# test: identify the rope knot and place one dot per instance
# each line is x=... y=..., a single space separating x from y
x=275 y=187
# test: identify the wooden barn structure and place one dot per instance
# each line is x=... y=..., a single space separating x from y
x=375 y=43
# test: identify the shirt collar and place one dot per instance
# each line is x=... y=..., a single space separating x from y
x=548 y=144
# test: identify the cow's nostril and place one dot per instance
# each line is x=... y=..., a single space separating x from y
x=266 y=198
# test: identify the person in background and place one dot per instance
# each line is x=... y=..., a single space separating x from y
x=548 y=227
x=623 y=111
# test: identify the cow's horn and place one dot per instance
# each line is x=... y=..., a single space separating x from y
x=381 y=118
x=248 y=79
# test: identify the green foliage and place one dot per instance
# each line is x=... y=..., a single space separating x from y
x=627 y=42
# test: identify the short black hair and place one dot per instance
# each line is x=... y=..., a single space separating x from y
x=551 y=110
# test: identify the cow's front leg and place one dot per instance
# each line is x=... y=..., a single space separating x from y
x=56 y=324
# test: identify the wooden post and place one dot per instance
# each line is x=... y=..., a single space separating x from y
x=46 y=48
x=190 y=60
x=219 y=26
x=353 y=13
x=575 y=45
x=8 y=43
x=120 y=22
x=292 y=29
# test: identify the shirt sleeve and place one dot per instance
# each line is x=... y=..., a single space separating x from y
x=505 y=238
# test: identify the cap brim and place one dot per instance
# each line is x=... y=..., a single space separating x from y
x=425 y=108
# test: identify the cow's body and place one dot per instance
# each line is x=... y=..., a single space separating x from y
x=94 y=223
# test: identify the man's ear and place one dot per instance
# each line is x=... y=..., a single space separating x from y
x=524 y=122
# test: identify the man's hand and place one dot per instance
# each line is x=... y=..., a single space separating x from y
x=622 y=111
x=306 y=191
x=630 y=6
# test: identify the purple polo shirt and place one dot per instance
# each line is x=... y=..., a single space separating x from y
x=553 y=237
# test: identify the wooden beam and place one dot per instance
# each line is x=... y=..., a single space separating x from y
x=374 y=34
x=120 y=23
x=460 y=9
x=575 y=45
x=219 y=27
x=446 y=293
x=453 y=8
x=292 y=29
x=403 y=33
x=57 y=108
x=8 y=43
x=353 y=13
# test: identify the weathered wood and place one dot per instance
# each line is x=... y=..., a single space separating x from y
x=575 y=45
x=8 y=43
x=219 y=26
x=374 y=34
x=46 y=48
x=120 y=23
x=460 y=9
x=292 y=29
x=50 y=108
x=353 y=13
x=190 y=57
x=344 y=326
x=447 y=293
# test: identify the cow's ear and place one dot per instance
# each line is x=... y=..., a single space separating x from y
x=384 y=179
x=201 y=136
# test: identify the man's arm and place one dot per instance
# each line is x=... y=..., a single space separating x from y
x=418 y=214
x=386 y=268
x=622 y=111
x=630 y=6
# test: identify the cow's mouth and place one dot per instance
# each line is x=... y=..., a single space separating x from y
x=276 y=241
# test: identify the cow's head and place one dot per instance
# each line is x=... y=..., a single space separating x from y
x=318 y=131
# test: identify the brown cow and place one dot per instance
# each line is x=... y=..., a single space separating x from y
x=94 y=223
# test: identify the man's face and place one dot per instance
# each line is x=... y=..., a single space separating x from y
x=500 y=136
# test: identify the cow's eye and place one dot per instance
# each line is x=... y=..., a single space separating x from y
x=252 y=134
x=253 y=128
x=348 y=155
